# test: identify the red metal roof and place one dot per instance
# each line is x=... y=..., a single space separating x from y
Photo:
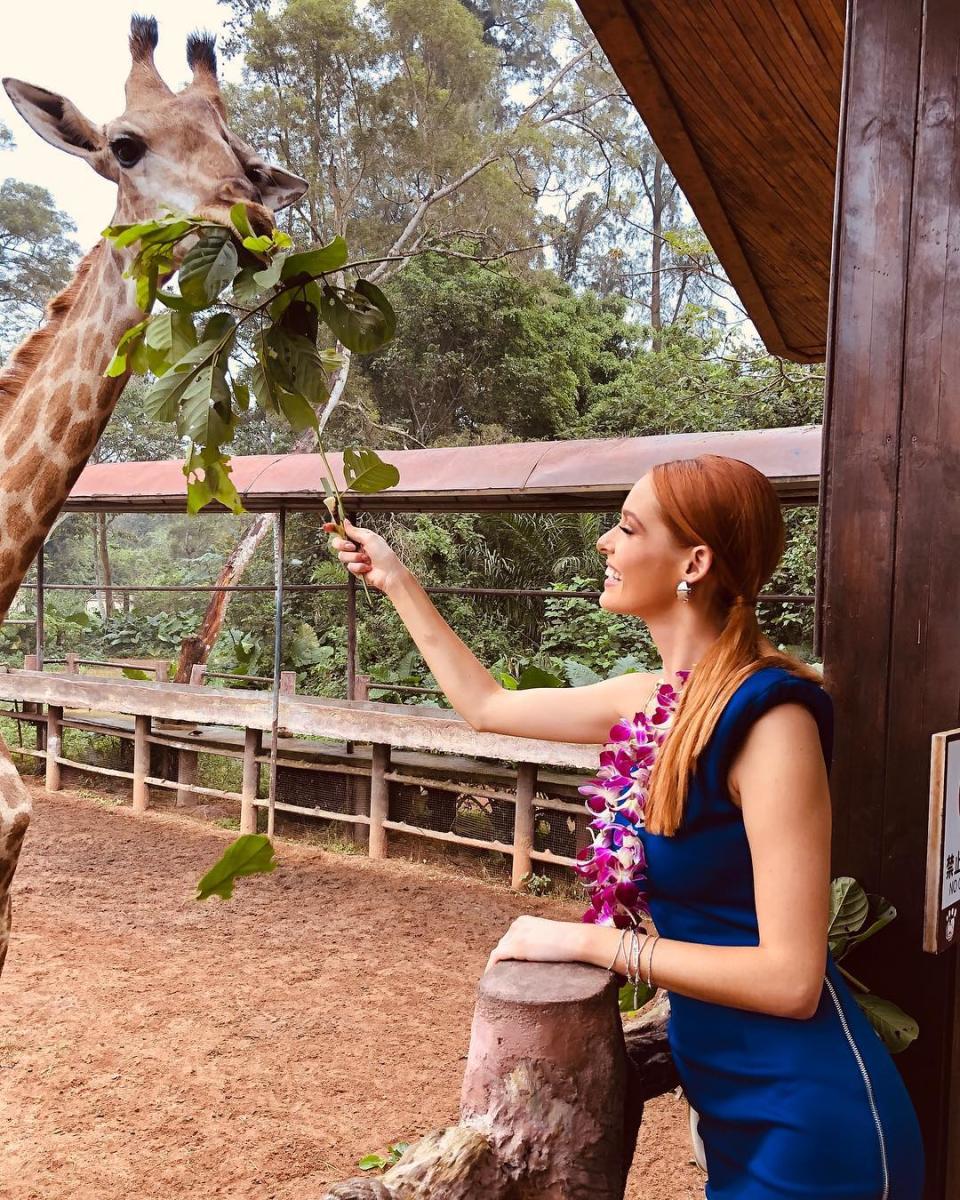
x=545 y=476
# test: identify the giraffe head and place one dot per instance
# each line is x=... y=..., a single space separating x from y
x=166 y=150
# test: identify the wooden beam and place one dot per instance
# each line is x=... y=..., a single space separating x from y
x=889 y=585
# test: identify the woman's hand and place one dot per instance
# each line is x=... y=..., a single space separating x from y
x=366 y=554
x=536 y=939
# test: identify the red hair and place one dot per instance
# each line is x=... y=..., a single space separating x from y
x=731 y=507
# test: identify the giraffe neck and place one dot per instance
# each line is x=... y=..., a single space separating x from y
x=54 y=404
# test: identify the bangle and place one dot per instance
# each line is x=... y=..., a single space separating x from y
x=650 y=961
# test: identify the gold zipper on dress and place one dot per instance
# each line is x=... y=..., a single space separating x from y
x=869 y=1086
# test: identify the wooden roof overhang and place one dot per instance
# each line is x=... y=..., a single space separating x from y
x=565 y=476
x=742 y=97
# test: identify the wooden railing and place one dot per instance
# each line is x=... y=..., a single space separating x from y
x=191 y=719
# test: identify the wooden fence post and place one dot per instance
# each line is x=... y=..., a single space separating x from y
x=141 y=763
x=252 y=743
x=197 y=672
x=523 y=822
x=187 y=761
x=54 y=736
x=379 y=799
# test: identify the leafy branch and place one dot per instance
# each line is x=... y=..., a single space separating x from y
x=284 y=299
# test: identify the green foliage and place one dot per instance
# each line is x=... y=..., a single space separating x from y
x=36 y=255
x=380 y=1162
x=196 y=386
x=856 y=915
x=250 y=854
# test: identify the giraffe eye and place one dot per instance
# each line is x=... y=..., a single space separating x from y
x=128 y=150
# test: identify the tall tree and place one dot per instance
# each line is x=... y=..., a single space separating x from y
x=36 y=255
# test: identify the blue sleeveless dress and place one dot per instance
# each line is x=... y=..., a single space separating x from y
x=801 y=1109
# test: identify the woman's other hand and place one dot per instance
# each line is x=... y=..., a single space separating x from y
x=365 y=553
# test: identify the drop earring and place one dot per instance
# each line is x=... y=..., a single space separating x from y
x=684 y=591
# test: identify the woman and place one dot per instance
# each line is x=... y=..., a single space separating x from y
x=797 y=1096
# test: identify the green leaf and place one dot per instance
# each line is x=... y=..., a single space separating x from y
x=126 y=235
x=304 y=649
x=241 y=396
x=625 y=999
x=118 y=364
x=297 y=364
x=359 y=322
x=848 y=906
x=366 y=472
x=241 y=220
x=535 y=677
x=250 y=854
x=269 y=277
x=882 y=912
x=371 y=1162
x=172 y=335
x=579 y=675
x=246 y=290
x=316 y=262
x=372 y=293
x=169 y=300
x=207 y=269
x=135 y=673
x=259 y=245
x=221 y=327
x=265 y=388
x=298 y=412
x=892 y=1024
x=163 y=398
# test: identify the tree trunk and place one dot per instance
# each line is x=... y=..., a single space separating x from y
x=656 y=251
x=102 y=552
x=552 y=1097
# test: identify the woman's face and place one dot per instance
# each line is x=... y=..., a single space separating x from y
x=646 y=560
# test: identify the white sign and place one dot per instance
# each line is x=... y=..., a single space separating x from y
x=941 y=925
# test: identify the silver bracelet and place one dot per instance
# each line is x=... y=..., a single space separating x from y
x=650 y=961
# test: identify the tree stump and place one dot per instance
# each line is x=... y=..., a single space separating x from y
x=550 y=1105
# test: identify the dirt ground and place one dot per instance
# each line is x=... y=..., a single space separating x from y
x=151 y=1046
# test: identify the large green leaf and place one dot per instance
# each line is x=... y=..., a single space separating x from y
x=892 y=1024
x=365 y=471
x=208 y=268
x=305 y=650
x=297 y=364
x=579 y=675
x=849 y=906
x=250 y=854
x=172 y=335
x=535 y=677
x=163 y=399
x=205 y=407
x=362 y=319
x=316 y=262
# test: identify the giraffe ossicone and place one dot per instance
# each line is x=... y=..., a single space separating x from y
x=168 y=150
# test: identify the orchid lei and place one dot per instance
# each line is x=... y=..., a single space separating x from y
x=612 y=867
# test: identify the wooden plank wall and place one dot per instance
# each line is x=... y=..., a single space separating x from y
x=890 y=584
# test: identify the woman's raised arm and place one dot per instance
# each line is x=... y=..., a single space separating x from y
x=582 y=714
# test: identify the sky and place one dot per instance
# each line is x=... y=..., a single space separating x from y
x=80 y=50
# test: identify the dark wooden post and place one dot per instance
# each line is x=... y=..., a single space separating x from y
x=890 y=586
x=379 y=799
x=252 y=744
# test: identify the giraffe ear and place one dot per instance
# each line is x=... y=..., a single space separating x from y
x=282 y=188
x=59 y=122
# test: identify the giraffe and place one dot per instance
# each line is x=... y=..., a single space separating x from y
x=167 y=150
